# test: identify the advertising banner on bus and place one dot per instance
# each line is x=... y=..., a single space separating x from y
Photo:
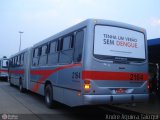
x=121 y=42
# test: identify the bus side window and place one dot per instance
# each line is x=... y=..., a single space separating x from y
x=53 y=53
x=15 y=61
x=22 y=59
x=35 y=57
x=79 y=38
x=43 y=55
x=66 y=43
x=11 y=62
x=59 y=45
x=66 y=54
x=52 y=47
x=14 y=64
x=40 y=51
x=18 y=60
x=72 y=41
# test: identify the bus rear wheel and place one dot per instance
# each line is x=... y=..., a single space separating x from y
x=49 y=96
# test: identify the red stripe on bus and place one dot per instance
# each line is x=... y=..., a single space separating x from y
x=16 y=71
x=46 y=73
x=3 y=70
x=101 y=75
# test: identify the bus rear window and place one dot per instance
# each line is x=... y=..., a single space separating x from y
x=118 y=43
x=5 y=63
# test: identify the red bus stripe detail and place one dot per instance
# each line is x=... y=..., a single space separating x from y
x=46 y=73
x=3 y=70
x=16 y=71
x=101 y=75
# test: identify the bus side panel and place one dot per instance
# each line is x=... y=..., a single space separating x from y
x=39 y=90
x=28 y=67
x=58 y=94
x=35 y=86
x=39 y=76
x=25 y=76
x=72 y=98
x=14 y=77
x=68 y=90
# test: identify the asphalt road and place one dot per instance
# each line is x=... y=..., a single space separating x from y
x=30 y=106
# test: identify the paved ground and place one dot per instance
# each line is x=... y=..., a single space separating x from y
x=150 y=107
x=29 y=106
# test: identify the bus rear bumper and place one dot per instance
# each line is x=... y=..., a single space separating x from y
x=114 y=99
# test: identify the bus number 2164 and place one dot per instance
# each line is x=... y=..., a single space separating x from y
x=136 y=76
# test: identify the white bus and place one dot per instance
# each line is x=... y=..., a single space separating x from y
x=93 y=62
x=4 y=69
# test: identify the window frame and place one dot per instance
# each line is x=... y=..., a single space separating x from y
x=80 y=30
x=65 y=52
x=56 y=47
x=59 y=48
x=22 y=59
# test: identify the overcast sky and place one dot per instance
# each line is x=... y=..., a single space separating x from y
x=39 y=19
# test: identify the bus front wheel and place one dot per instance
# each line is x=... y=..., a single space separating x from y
x=49 y=96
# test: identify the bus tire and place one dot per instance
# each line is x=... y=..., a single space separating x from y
x=49 y=96
x=21 y=89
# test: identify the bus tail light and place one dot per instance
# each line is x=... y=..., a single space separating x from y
x=87 y=85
